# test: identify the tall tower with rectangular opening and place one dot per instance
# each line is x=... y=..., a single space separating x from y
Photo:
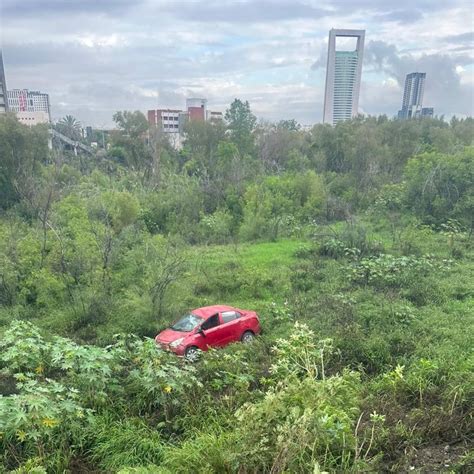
x=343 y=74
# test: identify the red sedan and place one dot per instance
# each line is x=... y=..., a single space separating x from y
x=211 y=326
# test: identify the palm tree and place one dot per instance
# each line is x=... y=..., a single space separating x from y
x=70 y=127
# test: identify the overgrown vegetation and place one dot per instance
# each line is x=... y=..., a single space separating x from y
x=354 y=244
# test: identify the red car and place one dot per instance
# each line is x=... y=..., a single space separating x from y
x=211 y=326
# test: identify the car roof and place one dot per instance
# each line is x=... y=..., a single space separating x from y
x=207 y=311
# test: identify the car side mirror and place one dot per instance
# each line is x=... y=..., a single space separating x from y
x=201 y=331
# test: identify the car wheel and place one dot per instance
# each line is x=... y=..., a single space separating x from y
x=192 y=353
x=247 y=336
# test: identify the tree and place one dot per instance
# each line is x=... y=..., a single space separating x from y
x=291 y=125
x=22 y=149
x=132 y=124
x=130 y=142
x=200 y=145
x=70 y=127
x=241 y=124
x=275 y=144
x=439 y=186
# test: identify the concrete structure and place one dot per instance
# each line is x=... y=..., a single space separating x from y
x=412 y=103
x=32 y=118
x=343 y=75
x=3 y=88
x=23 y=100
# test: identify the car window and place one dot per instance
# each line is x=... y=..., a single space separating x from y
x=212 y=322
x=187 y=323
x=228 y=316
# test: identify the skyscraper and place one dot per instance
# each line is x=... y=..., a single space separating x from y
x=343 y=73
x=3 y=88
x=412 y=103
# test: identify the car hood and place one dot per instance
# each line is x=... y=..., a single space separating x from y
x=169 y=335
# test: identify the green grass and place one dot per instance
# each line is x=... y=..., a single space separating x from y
x=268 y=255
x=246 y=275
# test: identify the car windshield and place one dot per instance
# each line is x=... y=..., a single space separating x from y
x=187 y=323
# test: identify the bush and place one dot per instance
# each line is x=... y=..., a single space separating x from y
x=300 y=424
x=439 y=186
x=387 y=271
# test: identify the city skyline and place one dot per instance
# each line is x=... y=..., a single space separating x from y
x=271 y=53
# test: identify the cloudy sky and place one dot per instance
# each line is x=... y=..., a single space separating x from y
x=97 y=56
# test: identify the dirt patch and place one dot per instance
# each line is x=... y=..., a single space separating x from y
x=439 y=458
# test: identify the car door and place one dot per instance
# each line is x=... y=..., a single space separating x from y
x=230 y=326
x=212 y=331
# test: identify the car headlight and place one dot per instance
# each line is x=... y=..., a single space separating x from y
x=177 y=342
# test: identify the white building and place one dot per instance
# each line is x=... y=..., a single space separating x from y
x=214 y=116
x=23 y=100
x=32 y=118
x=169 y=120
x=343 y=75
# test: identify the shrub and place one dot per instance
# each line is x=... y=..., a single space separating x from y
x=44 y=418
x=216 y=228
x=300 y=424
x=300 y=355
x=390 y=271
x=439 y=186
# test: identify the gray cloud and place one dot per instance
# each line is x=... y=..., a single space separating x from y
x=400 y=16
x=244 y=11
x=388 y=5
x=53 y=8
x=463 y=42
x=464 y=38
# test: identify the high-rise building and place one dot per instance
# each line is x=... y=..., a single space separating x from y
x=23 y=100
x=3 y=88
x=412 y=104
x=343 y=75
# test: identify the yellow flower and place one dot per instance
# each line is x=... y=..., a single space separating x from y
x=168 y=389
x=39 y=370
x=21 y=435
x=49 y=422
